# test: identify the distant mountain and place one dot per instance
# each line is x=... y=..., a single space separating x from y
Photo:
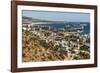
x=26 y=20
x=30 y=20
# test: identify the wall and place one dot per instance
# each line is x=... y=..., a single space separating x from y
x=5 y=37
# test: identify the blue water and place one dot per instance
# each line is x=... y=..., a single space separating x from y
x=58 y=25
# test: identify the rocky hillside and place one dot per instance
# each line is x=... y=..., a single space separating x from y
x=33 y=50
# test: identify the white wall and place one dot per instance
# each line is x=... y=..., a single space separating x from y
x=5 y=23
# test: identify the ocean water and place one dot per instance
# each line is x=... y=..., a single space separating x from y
x=59 y=25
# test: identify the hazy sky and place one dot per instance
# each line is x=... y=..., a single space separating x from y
x=57 y=16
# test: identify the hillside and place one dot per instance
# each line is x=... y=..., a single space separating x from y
x=34 y=51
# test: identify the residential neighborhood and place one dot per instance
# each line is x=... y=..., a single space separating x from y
x=54 y=44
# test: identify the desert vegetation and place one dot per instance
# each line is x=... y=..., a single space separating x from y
x=35 y=49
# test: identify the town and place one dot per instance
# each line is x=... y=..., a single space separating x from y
x=68 y=42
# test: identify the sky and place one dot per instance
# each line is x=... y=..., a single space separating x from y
x=57 y=16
